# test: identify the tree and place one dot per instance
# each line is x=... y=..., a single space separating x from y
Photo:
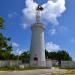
x=25 y=56
x=60 y=55
x=50 y=55
x=63 y=56
x=5 y=47
x=1 y=22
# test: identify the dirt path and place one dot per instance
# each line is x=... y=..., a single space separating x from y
x=33 y=72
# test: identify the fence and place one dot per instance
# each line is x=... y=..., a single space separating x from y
x=68 y=64
x=4 y=63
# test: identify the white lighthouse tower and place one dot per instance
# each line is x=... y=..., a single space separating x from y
x=37 y=47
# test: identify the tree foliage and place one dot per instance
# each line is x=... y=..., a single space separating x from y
x=63 y=55
x=60 y=55
x=1 y=22
x=5 y=47
x=25 y=56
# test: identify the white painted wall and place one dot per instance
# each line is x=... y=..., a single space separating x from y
x=4 y=63
x=48 y=63
x=70 y=64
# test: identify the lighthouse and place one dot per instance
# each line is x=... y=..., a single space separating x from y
x=37 y=47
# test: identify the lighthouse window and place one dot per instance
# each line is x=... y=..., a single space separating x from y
x=35 y=59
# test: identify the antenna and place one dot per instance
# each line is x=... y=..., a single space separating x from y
x=38 y=10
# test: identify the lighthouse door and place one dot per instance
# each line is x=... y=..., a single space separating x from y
x=35 y=61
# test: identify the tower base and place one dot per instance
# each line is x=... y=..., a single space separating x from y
x=38 y=64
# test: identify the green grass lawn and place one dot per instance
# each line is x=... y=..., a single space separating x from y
x=15 y=68
x=20 y=69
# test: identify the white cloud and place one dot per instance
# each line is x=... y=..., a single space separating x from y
x=24 y=25
x=11 y=15
x=72 y=40
x=57 y=30
x=50 y=46
x=18 y=52
x=14 y=44
x=62 y=29
x=52 y=31
x=17 y=49
x=52 y=10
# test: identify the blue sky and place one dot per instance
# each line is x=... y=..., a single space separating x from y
x=61 y=36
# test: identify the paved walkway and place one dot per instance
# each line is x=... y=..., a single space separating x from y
x=33 y=72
